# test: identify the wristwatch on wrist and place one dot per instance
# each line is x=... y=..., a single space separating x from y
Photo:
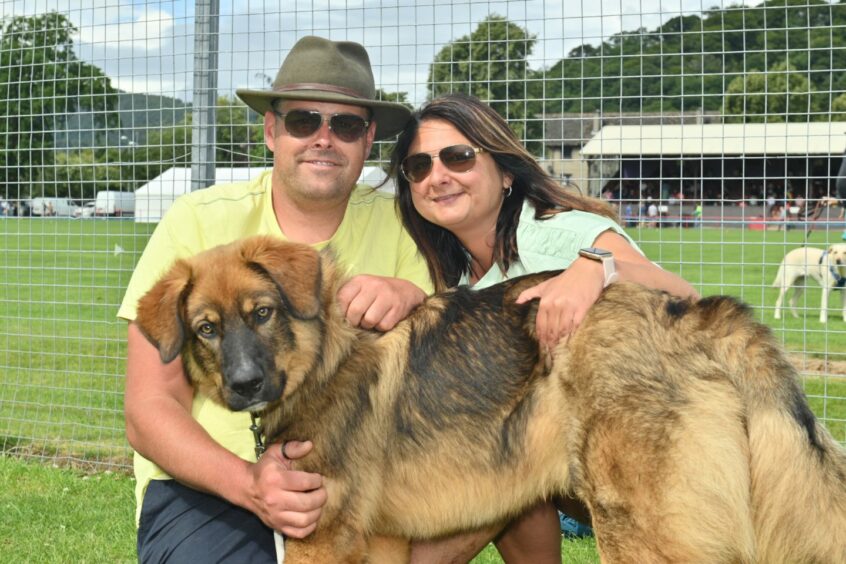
x=607 y=260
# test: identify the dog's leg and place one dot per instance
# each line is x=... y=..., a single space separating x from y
x=782 y=291
x=843 y=302
x=678 y=495
x=390 y=550
x=824 y=305
x=339 y=543
x=798 y=290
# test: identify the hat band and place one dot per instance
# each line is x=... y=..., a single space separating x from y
x=322 y=87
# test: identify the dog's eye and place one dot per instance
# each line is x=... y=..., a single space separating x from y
x=206 y=330
x=262 y=313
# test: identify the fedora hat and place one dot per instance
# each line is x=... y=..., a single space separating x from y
x=329 y=71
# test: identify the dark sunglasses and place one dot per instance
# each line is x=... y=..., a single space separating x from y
x=304 y=123
x=457 y=158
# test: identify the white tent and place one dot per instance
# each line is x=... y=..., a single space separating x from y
x=153 y=199
x=373 y=176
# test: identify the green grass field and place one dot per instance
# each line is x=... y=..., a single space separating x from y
x=52 y=514
x=63 y=352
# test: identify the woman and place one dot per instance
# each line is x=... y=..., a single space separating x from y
x=482 y=210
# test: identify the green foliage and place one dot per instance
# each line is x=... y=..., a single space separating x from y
x=777 y=96
x=84 y=172
x=381 y=151
x=239 y=141
x=41 y=83
x=688 y=63
x=491 y=64
x=838 y=108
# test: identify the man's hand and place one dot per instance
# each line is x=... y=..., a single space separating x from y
x=286 y=500
x=378 y=302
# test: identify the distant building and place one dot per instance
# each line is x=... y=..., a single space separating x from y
x=566 y=134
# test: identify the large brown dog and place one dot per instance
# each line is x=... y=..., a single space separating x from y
x=680 y=424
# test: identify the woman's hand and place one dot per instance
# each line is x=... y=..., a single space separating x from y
x=565 y=300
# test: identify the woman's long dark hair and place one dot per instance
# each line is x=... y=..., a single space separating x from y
x=484 y=128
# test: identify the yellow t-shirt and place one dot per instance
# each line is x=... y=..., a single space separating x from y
x=370 y=240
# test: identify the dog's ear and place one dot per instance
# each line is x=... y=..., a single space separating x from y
x=294 y=268
x=160 y=311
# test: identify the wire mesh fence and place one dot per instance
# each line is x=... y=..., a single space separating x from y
x=719 y=133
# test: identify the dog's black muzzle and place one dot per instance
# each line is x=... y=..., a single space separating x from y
x=248 y=371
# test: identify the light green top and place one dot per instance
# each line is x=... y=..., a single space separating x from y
x=370 y=240
x=550 y=244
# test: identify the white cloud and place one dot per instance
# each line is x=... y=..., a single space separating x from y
x=145 y=31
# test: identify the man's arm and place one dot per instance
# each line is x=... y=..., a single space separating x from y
x=159 y=426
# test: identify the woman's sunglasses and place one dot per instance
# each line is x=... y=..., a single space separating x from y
x=457 y=158
x=304 y=123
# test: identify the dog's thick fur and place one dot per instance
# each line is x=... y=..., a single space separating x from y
x=680 y=424
x=827 y=267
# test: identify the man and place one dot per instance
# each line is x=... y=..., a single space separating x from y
x=320 y=120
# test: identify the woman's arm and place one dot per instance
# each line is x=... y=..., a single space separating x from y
x=566 y=298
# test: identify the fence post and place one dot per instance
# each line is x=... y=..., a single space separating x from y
x=206 y=27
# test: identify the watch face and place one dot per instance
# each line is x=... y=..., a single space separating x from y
x=600 y=253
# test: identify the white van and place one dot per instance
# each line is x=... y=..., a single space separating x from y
x=112 y=202
x=46 y=207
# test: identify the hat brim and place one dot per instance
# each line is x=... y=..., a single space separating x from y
x=390 y=117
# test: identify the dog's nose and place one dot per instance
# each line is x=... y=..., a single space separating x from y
x=248 y=388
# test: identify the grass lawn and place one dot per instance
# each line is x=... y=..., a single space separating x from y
x=52 y=514
x=63 y=351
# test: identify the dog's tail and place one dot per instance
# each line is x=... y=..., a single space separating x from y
x=797 y=470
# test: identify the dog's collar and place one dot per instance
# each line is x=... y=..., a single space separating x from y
x=840 y=281
x=255 y=427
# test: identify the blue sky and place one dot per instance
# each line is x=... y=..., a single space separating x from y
x=148 y=46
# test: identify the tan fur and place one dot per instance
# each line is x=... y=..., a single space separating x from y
x=680 y=424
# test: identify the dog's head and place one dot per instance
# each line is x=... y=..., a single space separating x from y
x=837 y=255
x=245 y=316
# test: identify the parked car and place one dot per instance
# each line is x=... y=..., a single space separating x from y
x=85 y=210
x=113 y=202
x=46 y=207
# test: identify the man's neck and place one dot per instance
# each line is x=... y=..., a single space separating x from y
x=311 y=221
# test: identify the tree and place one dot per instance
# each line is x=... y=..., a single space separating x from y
x=781 y=95
x=239 y=142
x=838 y=108
x=381 y=151
x=688 y=61
x=490 y=64
x=41 y=83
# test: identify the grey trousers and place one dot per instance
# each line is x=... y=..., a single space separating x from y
x=179 y=524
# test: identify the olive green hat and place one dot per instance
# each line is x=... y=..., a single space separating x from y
x=329 y=71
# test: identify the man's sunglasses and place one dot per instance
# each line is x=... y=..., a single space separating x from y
x=457 y=158
x=304 y=123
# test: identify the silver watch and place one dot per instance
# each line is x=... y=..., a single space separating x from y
x=607 y=260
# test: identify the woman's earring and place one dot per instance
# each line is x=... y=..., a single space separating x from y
x=508 y=191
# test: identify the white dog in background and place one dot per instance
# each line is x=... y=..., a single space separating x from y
x=827 y=267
